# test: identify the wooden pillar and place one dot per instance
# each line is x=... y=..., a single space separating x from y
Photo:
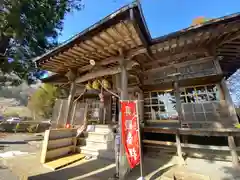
x=59 y=111
x=71 y=75
x=101 y=112
x=220 y=91
x=232 y=147
x=108 y=109
x=179 y=149
x=73 y=113
x=141 y=106
x=178 y=101
x=118 y=82
x=229 y=102
x=70 y=102
x=123 y=163
x=124 y=81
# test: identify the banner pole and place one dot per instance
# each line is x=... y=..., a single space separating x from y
x=140 y=139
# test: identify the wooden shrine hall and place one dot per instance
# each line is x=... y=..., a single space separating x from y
x=180 y=78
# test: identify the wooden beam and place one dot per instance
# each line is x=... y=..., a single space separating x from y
x=195 y=132
x=217 y=65
x=135 y=52
x=161 y=143
x=175 y=56
x=103 y=72
x=111 y=60
x=101 y=63
x=190 y=62
x=181 y=41
x=186 y=145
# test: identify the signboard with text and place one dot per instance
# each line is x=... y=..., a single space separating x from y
x=130 y=128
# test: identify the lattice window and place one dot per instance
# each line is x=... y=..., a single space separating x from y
x=198 y=103
x=202 y=103
x=200 y=94
x=160 y=105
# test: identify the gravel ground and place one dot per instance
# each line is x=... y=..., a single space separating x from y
x=217 y=170
x=6 y=174
x=14 y=142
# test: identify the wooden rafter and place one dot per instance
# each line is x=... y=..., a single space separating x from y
x=237 y=50
x=80 y=55
x=229 y=38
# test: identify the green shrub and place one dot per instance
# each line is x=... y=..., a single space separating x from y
x=17 y=127
x=32 y=128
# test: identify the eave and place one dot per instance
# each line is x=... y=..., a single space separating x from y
x=117 y=32
x=125 y=30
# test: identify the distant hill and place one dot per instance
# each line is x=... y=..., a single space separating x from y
x=15 y=96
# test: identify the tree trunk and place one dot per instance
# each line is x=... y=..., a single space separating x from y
x=4 y=44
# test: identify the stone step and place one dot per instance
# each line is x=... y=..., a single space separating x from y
x=88 y=151
x=99 y=128
x=106 y=154
x=102 y=128
x=100 y=136
x=100 y=145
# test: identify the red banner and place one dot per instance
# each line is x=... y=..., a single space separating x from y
x=130 y=130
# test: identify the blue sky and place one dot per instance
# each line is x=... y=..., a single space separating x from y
x=162 y=16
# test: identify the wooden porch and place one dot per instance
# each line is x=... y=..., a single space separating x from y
x=181 y=145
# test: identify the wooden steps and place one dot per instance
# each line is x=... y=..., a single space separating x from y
x=64 y=161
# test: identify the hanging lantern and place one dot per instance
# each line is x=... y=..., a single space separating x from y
x=105 y=84
x=89 y=86
x=95 y=84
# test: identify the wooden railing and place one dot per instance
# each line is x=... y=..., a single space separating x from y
x=229 y=133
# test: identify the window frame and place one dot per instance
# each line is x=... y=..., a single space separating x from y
x=149 y=104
